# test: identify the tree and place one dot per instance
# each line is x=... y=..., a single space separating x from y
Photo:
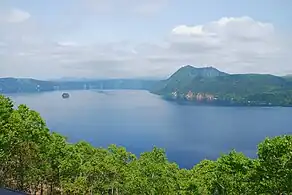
x=204 y=176
x=6 y=109
x=29 y=138
x=232 y=173
x=152 y=174
x=55 y=153
x=274 y=165
x=186 y=182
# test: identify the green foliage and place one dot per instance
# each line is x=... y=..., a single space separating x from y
x=232 y=174
x=204 y=176
x=274 y=166
x=37 y=161
x=6 y=108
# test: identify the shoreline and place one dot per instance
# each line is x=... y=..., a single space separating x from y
x=220 y=104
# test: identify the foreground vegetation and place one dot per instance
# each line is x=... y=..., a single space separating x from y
x=34 y=160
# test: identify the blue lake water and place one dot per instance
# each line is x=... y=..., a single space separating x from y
x=139 y=120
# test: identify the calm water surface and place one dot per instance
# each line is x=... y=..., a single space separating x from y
x=139 y=120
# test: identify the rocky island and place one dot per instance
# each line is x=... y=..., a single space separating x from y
x=65 y=95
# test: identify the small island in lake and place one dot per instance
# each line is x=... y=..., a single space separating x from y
x=65 y=95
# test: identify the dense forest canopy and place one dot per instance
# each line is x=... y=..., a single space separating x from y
x=36 y=160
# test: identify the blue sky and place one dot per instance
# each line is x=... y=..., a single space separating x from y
x=145 y=38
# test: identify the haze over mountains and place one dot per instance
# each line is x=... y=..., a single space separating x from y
x=289 y=77
x=14 y=85
x=187 y=78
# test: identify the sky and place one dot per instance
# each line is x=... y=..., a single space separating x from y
x=143 y=38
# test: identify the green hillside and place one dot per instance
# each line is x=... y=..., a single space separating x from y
x=233 y=88
x=184 y=77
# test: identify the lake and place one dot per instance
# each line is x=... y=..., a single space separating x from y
x=139 y=120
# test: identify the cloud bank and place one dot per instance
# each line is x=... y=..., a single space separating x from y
x=232 y=44
x=13 y=16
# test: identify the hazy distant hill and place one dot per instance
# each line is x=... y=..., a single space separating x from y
x=107 y=84
x=288 y=77
x=14 y=85
x=266 y=89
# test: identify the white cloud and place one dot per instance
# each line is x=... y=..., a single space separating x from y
x=67 y=44
x=235 y=45
x=241 y=28
x=13 y=16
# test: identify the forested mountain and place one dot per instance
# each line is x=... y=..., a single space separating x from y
x=191 y=83
x=37 y=161
x=13 y=85
x=184 y=77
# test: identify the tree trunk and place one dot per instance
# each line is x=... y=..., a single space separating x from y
x=61 y=189
x=51 y=188
x=21 y=174
x=42 y=189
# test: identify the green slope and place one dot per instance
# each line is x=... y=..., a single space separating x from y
x=184 y=77
x=238 y=84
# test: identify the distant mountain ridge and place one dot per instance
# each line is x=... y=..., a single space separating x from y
x=81 y=79
x=15 y=85
x=207 y=84
x=190 y=71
